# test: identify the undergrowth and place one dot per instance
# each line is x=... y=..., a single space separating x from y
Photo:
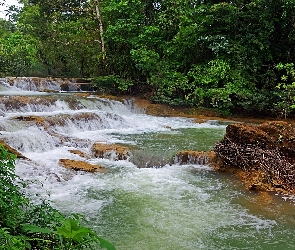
x=24 y=225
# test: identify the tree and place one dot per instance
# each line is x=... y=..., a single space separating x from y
x=217 y=53
x=97 y=9
x=17 y=55
x=66 y=34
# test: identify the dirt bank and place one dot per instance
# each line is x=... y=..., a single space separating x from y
x=263 y=156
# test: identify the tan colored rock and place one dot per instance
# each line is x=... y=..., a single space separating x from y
x=79 y=152
x=152 y=108
x=195 y=157
x=47 y=122
x=81 y=165
x=12 y=150
x=257 y=180
x=263 y=156
x=110 y=151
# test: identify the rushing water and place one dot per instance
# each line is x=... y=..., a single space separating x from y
x=166 y=206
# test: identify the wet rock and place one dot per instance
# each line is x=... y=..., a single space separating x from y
x=36 y=103
x=195 y=157
x=149 y=159
x=81 y=165
x=262 y=156
x=80 y=153
x=43 y=84
x=12 y=150
x=153 y=108
x=49 y=84
x=110 y=151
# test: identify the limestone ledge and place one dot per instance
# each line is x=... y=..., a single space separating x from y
x=81 y=165
x=80 y=153
x=110 y=151
x=195 y=157
x=262 y=156
x=12 y=150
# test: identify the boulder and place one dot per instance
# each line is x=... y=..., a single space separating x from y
x=110 y=151
x=263 y=156
x=81 y=165
x=80 y=153
x=195 y=157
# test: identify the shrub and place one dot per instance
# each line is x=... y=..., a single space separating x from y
x=24 y=225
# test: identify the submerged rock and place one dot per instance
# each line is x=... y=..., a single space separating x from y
x=262 y=156
x=110 y=151
x=81 y=165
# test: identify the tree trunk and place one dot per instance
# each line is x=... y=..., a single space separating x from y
x=100 y=28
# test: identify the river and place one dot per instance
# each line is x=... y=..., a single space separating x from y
x=147 y=202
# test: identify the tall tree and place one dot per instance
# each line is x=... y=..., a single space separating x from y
x=97 y=10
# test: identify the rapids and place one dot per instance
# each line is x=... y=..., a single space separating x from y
x=147 y=202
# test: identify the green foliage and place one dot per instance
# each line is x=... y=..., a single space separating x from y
x=17 y=55
x=210 y=75
x=67 y=36
x=287 y=84
x=78 y=236
x=24 y=225
x=145 y=60
x=170 y=86
x=6 y=27
x=185 y=52
x=111 y=83
x=11 y=242
x=69 y=235
x=72 y=230
x=11 y=198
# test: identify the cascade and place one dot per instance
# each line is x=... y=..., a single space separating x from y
x=44 y=84
x=144 y=195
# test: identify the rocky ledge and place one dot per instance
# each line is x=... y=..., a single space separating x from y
x=81 y=165
x=12 y=150
x=263 y=156
x=110 y=151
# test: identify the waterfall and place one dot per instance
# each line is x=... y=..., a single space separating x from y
x=43 y=84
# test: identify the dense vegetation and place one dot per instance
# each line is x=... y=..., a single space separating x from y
x=24 y=225
x=236 y=56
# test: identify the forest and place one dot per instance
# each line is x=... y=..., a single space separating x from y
x=234 y=56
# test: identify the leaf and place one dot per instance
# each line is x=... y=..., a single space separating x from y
x=81 y=233
x=35 y=229
x=72 y=230
x=106 y=244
